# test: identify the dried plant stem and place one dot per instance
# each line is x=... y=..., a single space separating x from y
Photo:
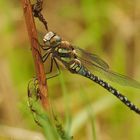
x=39 y=68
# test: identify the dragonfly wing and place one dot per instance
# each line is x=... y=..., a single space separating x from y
x=110 y=75
x=92 y=58
x=122 y=79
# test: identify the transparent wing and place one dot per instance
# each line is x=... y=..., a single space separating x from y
x=108 y=74
x=91 y=58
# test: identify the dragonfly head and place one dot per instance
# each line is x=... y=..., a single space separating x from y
x=51 y=39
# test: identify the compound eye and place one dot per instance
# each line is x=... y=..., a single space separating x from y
x=56 y=40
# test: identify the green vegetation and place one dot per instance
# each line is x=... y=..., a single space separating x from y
x=109 y=29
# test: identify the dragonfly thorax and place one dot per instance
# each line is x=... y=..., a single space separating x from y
x=51 y=39
x=65 y=51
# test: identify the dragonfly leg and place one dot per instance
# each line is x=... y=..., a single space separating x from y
x=53 y=60
x=57 y=66
x=45 y=56
x=51 y=65
x=43 y=46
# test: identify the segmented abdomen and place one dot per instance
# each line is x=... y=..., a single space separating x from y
x=84 y=72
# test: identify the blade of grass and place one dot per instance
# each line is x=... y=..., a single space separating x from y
x=82 y=117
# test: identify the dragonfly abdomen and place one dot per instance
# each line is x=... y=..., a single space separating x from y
x=84 y=72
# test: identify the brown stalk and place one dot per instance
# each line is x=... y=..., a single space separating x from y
x=39 y=68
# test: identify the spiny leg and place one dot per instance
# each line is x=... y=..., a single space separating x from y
x=56 y=64
x=57 y=67
x=53 y=59
x=45 y=56
x=51 y=67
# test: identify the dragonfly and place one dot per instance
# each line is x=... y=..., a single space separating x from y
x=78 y=61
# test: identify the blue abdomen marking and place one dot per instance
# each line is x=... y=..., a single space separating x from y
x=84 y=72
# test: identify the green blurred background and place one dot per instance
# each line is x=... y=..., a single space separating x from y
x=110 y=29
